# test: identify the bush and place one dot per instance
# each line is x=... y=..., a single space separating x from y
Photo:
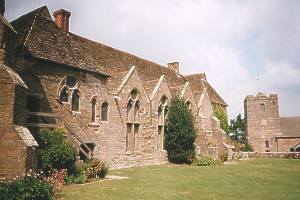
x=180 y=133
x=203 y=161
x=78 y=177
x=223 y=157
x=96 y=169
x=55 y=152
x=31 y=187
x=247 y=147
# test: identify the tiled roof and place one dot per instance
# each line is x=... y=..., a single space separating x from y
x=290 y=126
x=14 y=76
x=198 y=82
x=44 y=40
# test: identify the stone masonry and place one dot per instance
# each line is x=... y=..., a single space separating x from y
x=112 y=104
x=266 y=130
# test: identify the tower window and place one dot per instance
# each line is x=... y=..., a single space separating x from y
x=267 y=144
x=262 y=107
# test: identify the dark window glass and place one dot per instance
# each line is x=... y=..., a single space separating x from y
x=267 y=144
x=71 y=81
x=75 y=100
x=262 y=107
x=189 y=105
x=136 y=111
x=104 y=111
x=94 y=102
x=64 y=95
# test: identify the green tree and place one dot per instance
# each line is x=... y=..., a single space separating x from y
x=222 y=116
x=180 y=133
x=238 y=134
x=237 y=128
x=55 y=152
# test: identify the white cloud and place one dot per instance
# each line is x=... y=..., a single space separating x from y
x=212 y=36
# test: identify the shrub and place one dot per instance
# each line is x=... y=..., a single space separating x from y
x=203 y=161
x=56 y=180
x=30 y=187
x=180 y=133
x=55 y=152
x=223 y=157
x=246 y=147
x=78 y=177
x=96 y=169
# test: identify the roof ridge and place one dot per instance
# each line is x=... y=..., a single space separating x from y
x=34 y=12
x=123 y=52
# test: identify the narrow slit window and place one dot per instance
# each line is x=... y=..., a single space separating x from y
x=262 y=107
x=267 y=144
x=104 y=111
x=94 y=102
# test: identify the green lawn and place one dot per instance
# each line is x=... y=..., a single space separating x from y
x=251 y=179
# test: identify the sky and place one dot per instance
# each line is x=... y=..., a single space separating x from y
x=241 y=45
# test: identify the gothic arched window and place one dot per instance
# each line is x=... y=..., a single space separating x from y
x=64 y=94
x=189 y=105
x=71 y=81
x=133 y=122
x=75 y=100
x=136 y=111
x=162 y=115
x=94 y=103
x=104 y=111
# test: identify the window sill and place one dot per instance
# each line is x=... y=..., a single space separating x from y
x=76 y=112
x=94 y=124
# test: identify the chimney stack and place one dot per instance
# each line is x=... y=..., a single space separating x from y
x=174 y=66
x=2 y=7
x=62 y=17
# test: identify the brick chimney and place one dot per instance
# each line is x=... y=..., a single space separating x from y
x=174 y=66
x=2 y=7
x=62 y=17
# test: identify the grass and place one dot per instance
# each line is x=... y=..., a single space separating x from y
x=252 y=179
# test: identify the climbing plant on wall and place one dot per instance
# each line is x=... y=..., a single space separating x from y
x=222 y=116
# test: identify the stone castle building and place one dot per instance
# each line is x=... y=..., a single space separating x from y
x=112 y=104
x=266 y=130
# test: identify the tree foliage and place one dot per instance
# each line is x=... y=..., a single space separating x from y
x=237 y=128
x=238 y=134
x=180 y=133
x=55 y=152
x=222 y=116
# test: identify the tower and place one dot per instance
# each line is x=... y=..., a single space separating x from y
x=262 y=121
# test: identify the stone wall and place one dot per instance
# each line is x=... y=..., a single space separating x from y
x=285 y=143
x=262 y=121
x=108 y=136
x=13 y=150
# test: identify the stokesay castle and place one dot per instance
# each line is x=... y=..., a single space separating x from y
x=112 y=104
